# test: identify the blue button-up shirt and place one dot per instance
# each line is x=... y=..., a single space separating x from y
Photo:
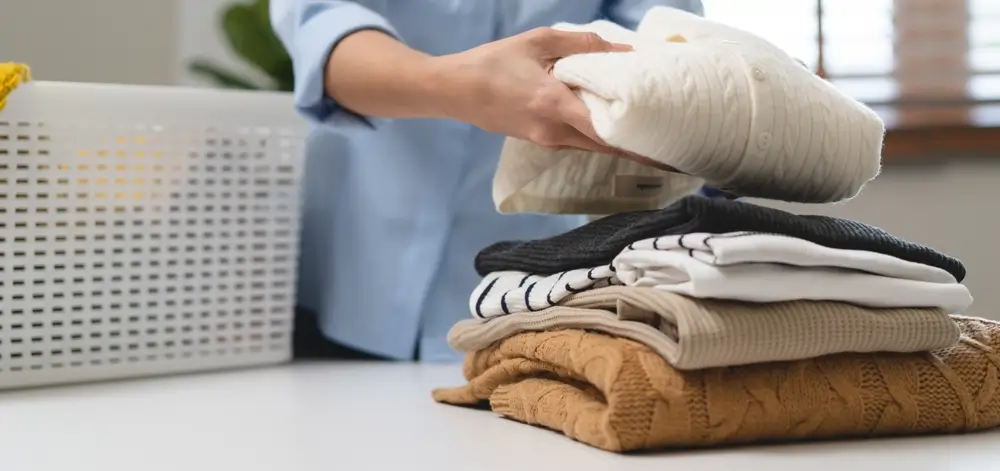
x=395 y=210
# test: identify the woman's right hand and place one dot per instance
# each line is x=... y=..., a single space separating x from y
x=506 y=87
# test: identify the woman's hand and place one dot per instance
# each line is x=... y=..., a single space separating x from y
x=505 y=87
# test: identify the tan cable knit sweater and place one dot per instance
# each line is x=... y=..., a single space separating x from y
x=618 y=395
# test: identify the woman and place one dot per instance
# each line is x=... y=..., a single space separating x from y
x=396 y=209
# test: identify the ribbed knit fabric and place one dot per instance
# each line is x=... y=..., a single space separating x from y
x=807 y=140
x=533 y=179
x=530 y=178
x=716 y=103
x=619 y=395
x=598 y=242
x=699 y=333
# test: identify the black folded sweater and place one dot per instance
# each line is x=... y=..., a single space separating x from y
x=599 y=242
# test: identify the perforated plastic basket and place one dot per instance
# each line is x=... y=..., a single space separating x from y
x=145 y=230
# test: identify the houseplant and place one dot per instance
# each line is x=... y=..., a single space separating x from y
x=247 y=28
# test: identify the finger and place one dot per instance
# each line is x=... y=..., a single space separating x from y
x=582 y=135
x=571 y=110
x=557 y=44
x=572 y=138
x=575 y=114
x=577 y=140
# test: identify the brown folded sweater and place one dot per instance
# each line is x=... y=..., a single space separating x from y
x=618 y=395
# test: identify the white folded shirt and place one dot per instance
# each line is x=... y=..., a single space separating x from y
x=737 y=266
x=724 y=106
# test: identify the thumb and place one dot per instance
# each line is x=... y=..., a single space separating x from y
x=556 y=44
x=573 y=112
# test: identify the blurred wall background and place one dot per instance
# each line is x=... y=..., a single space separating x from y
x=950 y=204
x=129 y=41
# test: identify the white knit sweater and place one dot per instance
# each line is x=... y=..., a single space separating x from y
x=717 y=103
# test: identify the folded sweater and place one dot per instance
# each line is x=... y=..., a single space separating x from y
x=764 y=282
x=714 y=102
x=619 y=395
x=599 y=242
x=530 y=178
x=736 y=266
x=698 y=333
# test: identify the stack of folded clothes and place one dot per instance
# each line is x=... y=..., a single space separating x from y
x=691 y=293
x=619 y=395
x=711 y=282
x=714 y=321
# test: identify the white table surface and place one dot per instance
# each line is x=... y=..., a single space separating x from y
x=361 y=416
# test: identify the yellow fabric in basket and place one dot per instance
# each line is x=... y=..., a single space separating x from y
x=11 y=75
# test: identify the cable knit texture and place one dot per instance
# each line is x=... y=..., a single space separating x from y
x=716 y=103
x=530 y=178
x=599 y=242
x=619 y=395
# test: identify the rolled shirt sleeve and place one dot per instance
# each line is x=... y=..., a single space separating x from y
x=310 y=29
x=628 y=13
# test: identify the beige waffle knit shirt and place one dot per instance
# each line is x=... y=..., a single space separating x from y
x=699 y=333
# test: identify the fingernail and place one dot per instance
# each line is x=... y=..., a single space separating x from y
x=621 y=47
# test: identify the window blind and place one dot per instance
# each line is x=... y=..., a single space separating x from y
x=917 y=62
x=984 y=49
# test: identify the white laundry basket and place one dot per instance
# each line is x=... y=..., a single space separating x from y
x=145 y=230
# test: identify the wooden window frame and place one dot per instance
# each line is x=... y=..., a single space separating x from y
x=931 y=122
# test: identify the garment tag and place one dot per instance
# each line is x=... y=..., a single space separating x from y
x=638 y=186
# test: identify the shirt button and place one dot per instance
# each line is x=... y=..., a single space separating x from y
x=758 y=74
x=764 y=140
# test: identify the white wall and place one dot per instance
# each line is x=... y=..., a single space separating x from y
x=120 y=41
x=124 y=41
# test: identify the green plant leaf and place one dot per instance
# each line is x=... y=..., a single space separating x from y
x=220 y=76
x=262 y=9
x=248 y=29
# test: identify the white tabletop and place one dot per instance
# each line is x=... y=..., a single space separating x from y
x=361 y=416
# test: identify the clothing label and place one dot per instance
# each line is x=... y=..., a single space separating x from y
x=638 y=186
